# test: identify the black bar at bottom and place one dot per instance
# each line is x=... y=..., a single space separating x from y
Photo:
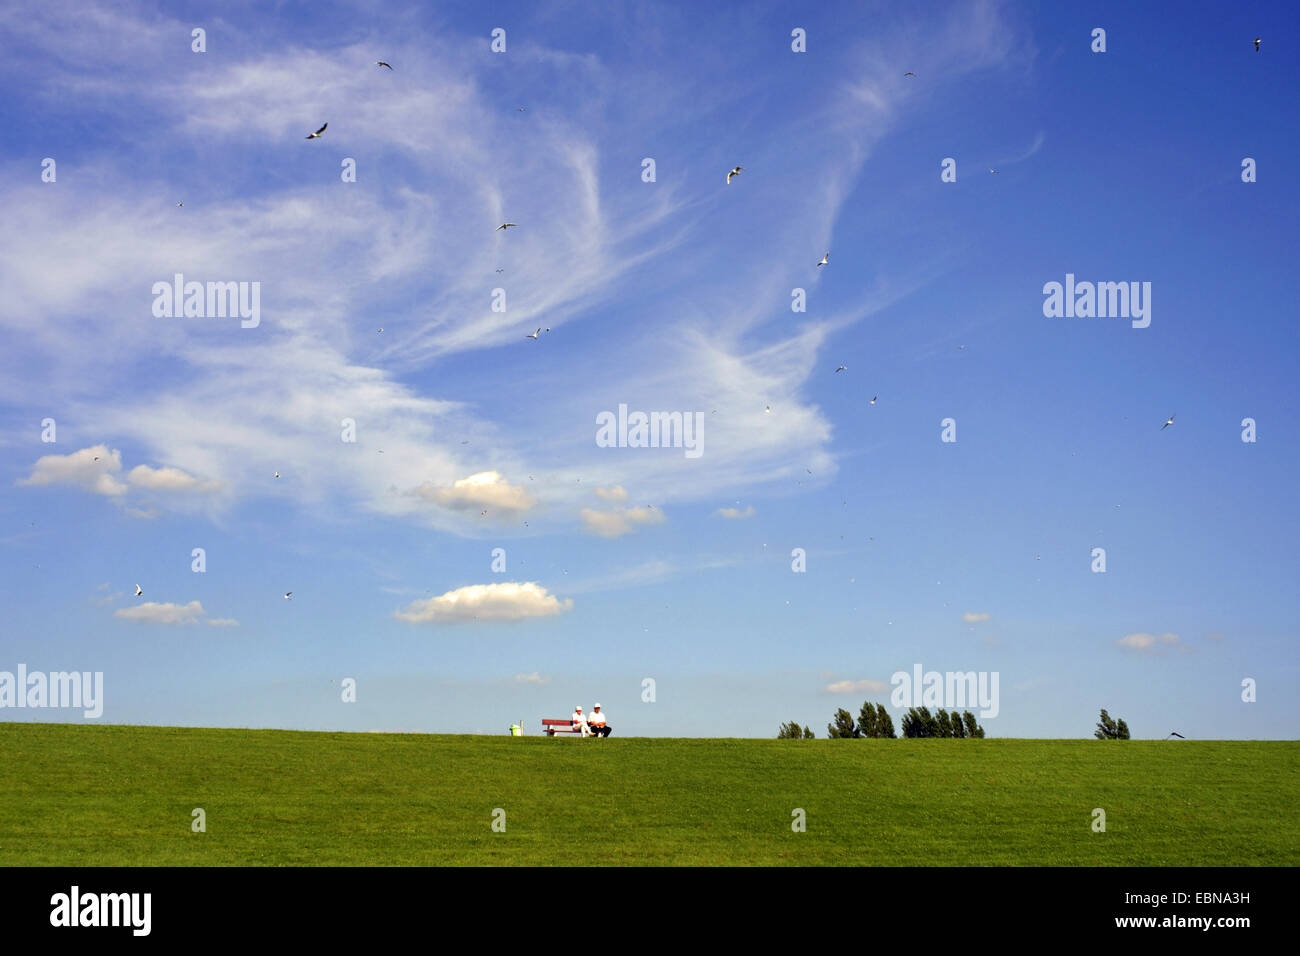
x=909 y=904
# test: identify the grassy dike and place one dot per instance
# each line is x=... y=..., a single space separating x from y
x=95 y=795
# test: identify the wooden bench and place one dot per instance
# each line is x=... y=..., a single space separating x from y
x=553 y=727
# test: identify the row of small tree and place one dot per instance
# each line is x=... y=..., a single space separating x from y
x=874 y=721
x=919 y=722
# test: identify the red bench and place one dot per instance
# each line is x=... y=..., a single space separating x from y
x=553 y=727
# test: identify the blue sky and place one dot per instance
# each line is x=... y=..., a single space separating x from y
x=670 y=295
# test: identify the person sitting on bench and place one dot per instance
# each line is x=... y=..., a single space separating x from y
x=597 y=722
x=580 y=722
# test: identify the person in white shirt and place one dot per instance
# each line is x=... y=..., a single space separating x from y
x=580 y=722
x=597 y=722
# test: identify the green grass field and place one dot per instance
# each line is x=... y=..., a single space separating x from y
x=80 y=795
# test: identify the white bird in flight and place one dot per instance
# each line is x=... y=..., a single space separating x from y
x=736 y=171
x=277 y=474
x=316 y=135
x=1257 y=39
x=992 y=170
x=138 y=592
x=825 y=258
x=288 y=595
x=534 y=335
x=873 y=399
x=842 y=368
x=1168 y=423
x=506 y=225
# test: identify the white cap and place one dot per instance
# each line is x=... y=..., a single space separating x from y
x=576 y=707
x=597 y=706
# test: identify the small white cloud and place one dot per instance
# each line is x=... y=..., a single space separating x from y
x=856 y=687
x=736 y=512
x=620 y=521
x=162 y=613
x=506 y=601
x=1150 y=643
x=169 y=479
x=487 y=489
x=975 y=617
x=91 y=469
x=616 y=494
x=533 y=678
x=223 y=622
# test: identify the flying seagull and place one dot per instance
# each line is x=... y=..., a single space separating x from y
x=179 y=204
x=1174 y=733
x=768 y=410
x=909 y=73
x=1168 y=423
x=534 y=335
x=873 y=399
x=316 y=135
x=277 y=474
x=288 y=595
x=735 y=172
x=522 y=109
x=501 y=270
x=824 y=259
x=380 y=329
x=382 y=63
x=138 y=592
x=961 y=348
x=1257 y=39
x=992 y=170
x=842 y=368
x=506 y=225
